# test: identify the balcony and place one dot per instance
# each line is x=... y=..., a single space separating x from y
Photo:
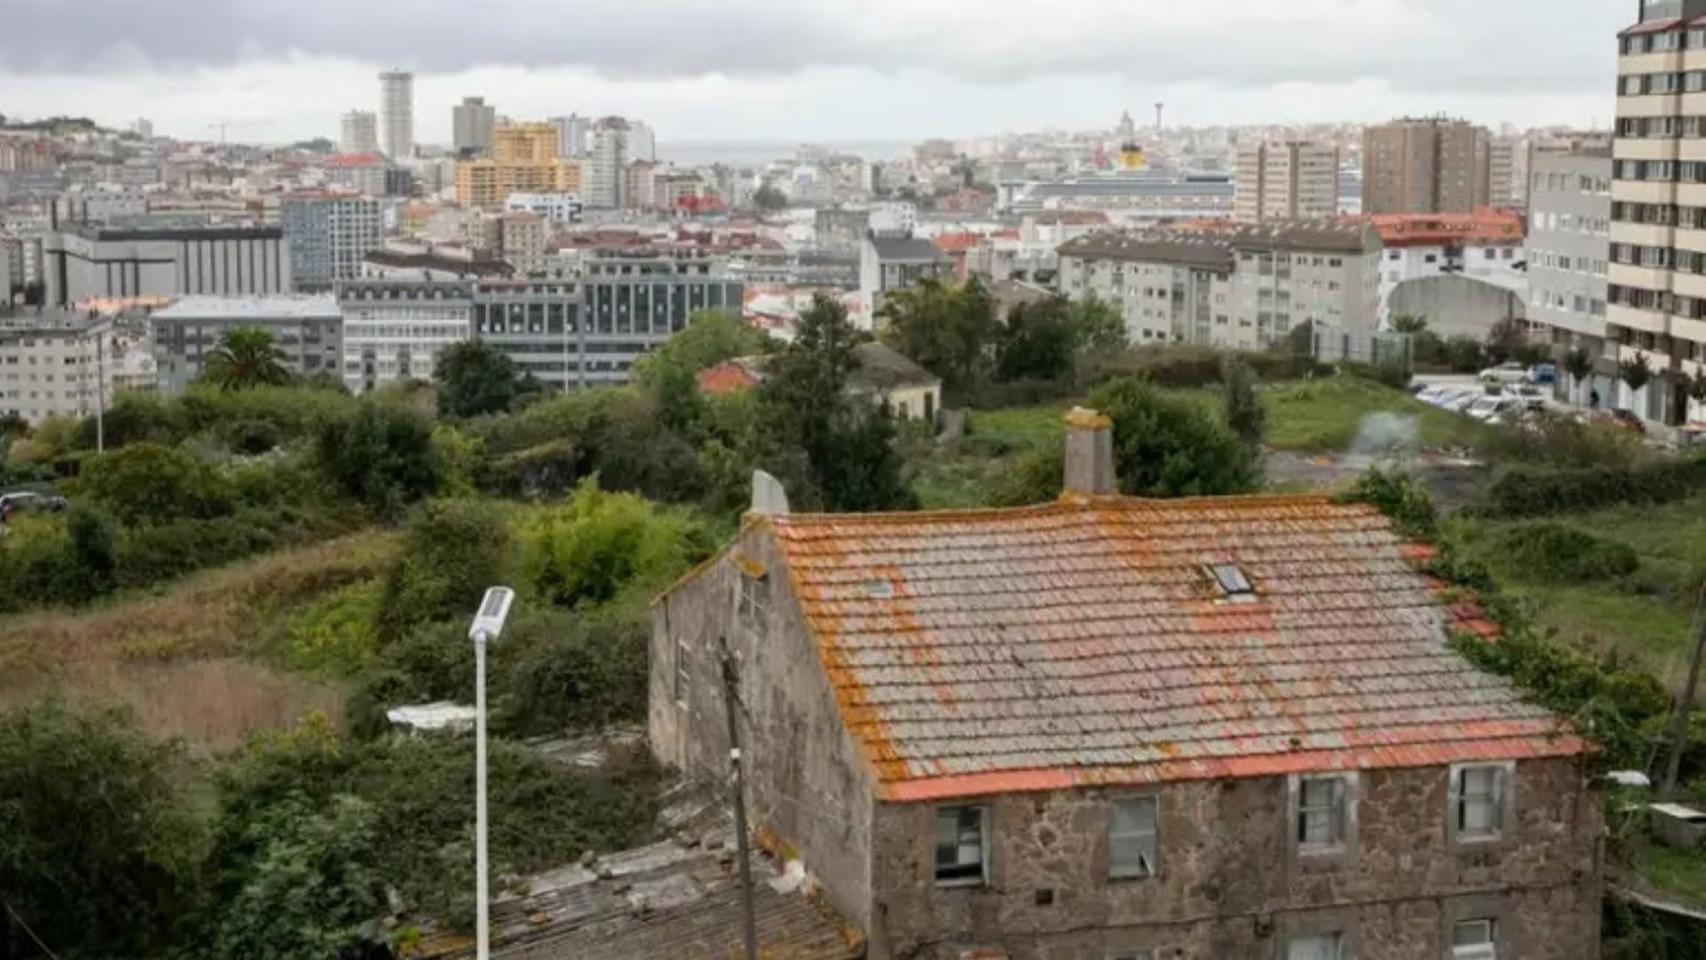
x=1685 y=238
x=1650 y=105
x=1647 y=278
x=1648 y=321
x=1683 y=328
x=1643 y=234
x=1669 y=61
x=1646 y=191
x=1660 y=362
x=1646 y=149
x=1689 y=284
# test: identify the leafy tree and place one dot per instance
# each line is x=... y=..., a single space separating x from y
x=1245 y=415
x=1171 y=447
x=600 y=544
x=1465 y=354
x=246 y=357
x=1578 y=363
x=1697 y=387
x=1507 y=341
x=1409 y=323
x=381 y=454
x=146 y=484
x=670 y=373
x=1042 y=340
x=134 y=417
x=1637 y=373
x=587 y=672
x=816 y=435
x=97 y=851
x=946 y=328
x=452 y=551
x=1300 y=342
x=312 y=881
x=769 y=199
x=1427 y=349
x=475 y=378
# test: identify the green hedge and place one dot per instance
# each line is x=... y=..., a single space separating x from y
x=1554 y=553
x=1536 y=491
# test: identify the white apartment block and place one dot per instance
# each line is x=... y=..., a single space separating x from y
x=555 y=207
x=1485 y=247
x=395 y=330
x=1656 y=289
x=397 y=113
x=524 y=242
x=1286 y=180
x=1569 y=246
x=1241 y=289
x=606 y=180
x=53 y=365
x=358 y=132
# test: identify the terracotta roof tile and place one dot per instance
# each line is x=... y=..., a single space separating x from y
x=1085 y=642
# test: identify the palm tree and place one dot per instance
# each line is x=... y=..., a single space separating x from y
x=245 y=358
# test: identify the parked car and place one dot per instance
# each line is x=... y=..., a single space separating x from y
x=1543 y=373
x=1532 y=397
x=1493 y=409
x=1431 y=395
x=29 y=501
x=1505 y=374
x=1460 y=402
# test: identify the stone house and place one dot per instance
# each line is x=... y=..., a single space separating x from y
x=1108 y=728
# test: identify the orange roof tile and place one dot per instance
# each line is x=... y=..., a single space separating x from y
x=1484 y=227
x=1082 y=642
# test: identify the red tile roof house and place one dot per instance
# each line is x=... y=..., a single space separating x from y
x=1109 y=727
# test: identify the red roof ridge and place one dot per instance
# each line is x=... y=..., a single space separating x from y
x=1070 y=503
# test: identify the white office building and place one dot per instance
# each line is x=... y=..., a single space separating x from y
x=395 y=329
x=307 y=330
x=358 y=132
x=53 y=365
x=605 y=184
x=397 y=113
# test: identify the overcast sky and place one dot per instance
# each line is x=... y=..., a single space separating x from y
x=810 y=69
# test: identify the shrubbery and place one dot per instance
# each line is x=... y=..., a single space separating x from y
x=1537 y=491
x=1170 y=447
x=1559 y=554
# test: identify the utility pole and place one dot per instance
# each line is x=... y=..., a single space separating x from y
x=1679 y=727
x=731 y=685
x=100 y=393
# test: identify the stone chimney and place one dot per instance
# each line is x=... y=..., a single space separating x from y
x=1089 y=454
x=769 y=497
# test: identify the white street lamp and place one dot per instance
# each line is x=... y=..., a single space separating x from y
x=488 y=625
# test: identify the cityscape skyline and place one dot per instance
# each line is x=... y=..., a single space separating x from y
x=1313 y=61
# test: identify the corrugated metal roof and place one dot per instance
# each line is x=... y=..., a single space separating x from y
x=1084 y=642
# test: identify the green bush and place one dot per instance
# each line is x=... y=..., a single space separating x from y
x=585 y=672
x=1170 y=447
x=98 y=849
x=1190 y=367
x=149 y=555
x=1554 y=553
x=337 y=635
x=135 y=418
x=1536 y=491
x=548 y=470
x=453 y=550
x=601 y=544
x=1404 y=501
x=146 y=484
x=381 y=454
x=1038 y=477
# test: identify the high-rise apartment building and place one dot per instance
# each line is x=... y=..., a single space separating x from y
x=472 y=123
x=607 y=169
x=1569 y=246
x=642 y=142
x=397 y=113
x=523 y=159
x=572 y=133
x=358 y=132
x=329 y=233
x=1656 y=294
x=1429 y=165
x=1287 y=180
x=1507 y=172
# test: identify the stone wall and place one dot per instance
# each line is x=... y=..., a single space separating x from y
x=1230 y=885
x=808 y=788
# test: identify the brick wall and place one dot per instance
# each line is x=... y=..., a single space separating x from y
x=1230 y=885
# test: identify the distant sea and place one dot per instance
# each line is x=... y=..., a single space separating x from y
x=757 y=153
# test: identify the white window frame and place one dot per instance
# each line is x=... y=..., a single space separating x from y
x=1500 y=796
x=936 y=846
x=1143 y=870
x=1337 y=809
x=1487 y=949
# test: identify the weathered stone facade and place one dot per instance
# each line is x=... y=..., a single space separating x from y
x=806 y=784
x=1231 y=885
x=1230 y=882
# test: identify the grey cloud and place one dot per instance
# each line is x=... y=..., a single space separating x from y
x=1503 y=46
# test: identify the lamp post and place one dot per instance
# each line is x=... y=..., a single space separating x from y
x=488 y=625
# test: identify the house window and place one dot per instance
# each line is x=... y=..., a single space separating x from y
x=1133 y=848
x=1322 y=804
x=1231 y=579
x=961 y=848
x=1473 y=940
x=1318 y=946
x=1478 y=795
x=754 y=599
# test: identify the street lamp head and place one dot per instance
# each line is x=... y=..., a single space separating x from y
x=494 y=610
